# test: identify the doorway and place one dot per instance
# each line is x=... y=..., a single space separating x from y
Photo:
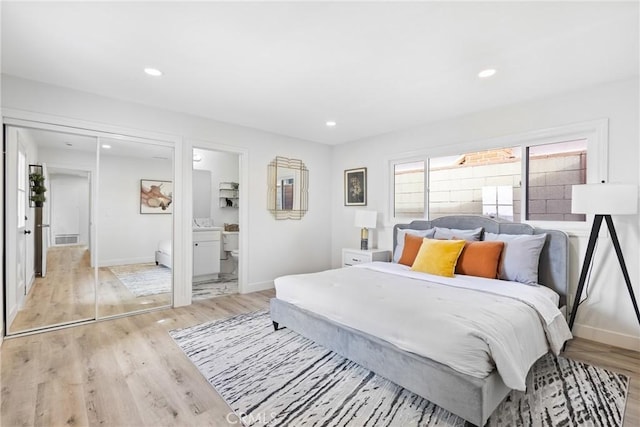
x=216 y=223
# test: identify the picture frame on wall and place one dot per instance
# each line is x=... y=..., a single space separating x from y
x=355 y=187
x=156 y=196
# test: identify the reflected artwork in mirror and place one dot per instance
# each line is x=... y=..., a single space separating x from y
x=288 y=181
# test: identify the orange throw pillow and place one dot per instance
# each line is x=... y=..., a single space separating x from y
x=480 y=259
x=411 y=247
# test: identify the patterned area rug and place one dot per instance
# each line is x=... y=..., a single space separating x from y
x=144 y=279
x=280 y=378
x=225 y=284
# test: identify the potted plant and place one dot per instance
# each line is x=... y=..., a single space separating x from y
x=38 y=189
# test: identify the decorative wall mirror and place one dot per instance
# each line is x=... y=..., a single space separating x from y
x=288 y=181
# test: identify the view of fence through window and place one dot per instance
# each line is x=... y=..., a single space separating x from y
x=490 y=183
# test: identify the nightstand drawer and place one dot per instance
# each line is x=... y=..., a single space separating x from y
x=357 y=256
x=351 y=258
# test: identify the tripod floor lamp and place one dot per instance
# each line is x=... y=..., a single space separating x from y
x=602 y=201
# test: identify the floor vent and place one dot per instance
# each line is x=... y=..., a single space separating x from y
x=67 y=239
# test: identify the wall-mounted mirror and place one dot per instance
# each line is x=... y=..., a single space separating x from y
x=288 y=181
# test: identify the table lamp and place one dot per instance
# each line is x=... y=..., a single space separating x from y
x=602 y=201
x=365 y=220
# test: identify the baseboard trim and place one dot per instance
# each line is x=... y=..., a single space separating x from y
x=125 y=261
x=604 y=336
x=256 y=287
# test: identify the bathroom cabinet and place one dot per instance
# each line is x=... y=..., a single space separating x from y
x=206 y=254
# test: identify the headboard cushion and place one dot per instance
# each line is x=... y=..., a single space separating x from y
x=553 y=267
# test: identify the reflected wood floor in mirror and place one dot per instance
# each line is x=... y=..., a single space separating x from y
x=64 y=295
x=128 y=371
x=115 y=298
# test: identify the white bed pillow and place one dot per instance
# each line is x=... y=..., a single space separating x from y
x=397 y=253
x=520 y=256
x=454 y=233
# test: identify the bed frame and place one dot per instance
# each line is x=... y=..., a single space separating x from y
x=471 y=398
x=163 y=259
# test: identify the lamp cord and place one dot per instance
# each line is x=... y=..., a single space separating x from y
x=586 y=289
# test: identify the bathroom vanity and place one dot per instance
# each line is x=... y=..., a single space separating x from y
x=206 y=252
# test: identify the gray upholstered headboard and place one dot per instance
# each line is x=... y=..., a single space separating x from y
x=553 y=268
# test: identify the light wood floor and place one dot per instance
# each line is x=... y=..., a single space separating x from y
x=67 y=294
x=129 y=372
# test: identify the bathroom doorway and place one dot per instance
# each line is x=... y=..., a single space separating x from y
x=216 y=219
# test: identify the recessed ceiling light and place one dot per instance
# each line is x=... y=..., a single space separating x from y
x=107 y=146
x=486 y=73
x=331 y=123
x=153 y=72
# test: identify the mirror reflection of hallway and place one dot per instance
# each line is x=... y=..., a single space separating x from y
x=58 y=272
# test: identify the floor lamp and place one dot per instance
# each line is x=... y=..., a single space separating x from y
x=602 y=201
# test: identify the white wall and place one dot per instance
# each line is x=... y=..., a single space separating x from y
x=68 y=196
x=125 y=236
x=608 y=314
x=302 y=246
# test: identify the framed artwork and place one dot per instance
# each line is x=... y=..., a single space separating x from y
x=355 y=187
x=156 y=197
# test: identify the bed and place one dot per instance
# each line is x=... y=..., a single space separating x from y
x=163 y=254
x=354 y=312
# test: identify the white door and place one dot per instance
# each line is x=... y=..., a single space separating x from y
x=16 y=222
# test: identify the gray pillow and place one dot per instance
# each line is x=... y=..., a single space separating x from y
x=454 y=233
x=397 y=253
x=520 y=256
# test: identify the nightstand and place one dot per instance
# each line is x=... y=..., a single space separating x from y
x=358 y=256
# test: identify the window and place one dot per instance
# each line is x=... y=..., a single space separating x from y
x=482 y=182
x=552 y=170
x=409 y=189
x=530 y=180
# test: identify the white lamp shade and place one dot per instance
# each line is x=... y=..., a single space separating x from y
x=604 y=199
x=366 y=219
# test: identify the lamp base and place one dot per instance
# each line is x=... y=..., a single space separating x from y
x=364 y=239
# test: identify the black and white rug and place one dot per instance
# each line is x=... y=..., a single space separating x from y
x=144 y=279
x=282 y=378
x=225 y=284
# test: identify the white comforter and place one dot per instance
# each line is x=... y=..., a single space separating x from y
x=468 y=323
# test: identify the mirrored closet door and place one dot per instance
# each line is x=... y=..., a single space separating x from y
x=50 y=187
x=135 y=226
x=90 y=216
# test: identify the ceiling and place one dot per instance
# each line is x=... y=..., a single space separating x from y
x=289 y=67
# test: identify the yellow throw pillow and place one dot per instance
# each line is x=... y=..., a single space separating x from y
x=438 y=257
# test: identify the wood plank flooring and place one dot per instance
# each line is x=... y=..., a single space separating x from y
x=129 y=372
